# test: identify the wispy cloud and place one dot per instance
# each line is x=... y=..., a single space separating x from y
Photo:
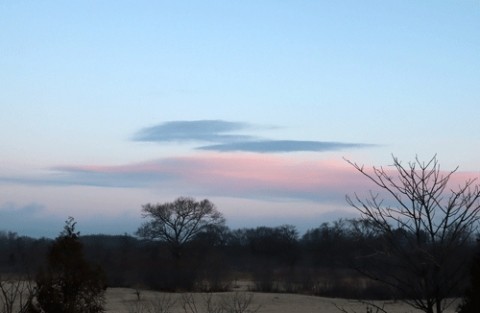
x=243 y=175
x=118 y=176
x=250 y=176
x=202 y=130
x=273 y=146
x=145 y=174
x=226 y=136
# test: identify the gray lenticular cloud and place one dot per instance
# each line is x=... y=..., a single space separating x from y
x=272 y=146
x=203 y=130
x=224 y=136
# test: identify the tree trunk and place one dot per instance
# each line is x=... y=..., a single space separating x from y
x=439 y=306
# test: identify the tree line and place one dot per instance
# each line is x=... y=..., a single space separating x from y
x=327 y=260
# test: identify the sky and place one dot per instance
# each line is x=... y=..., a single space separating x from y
x=254 y=105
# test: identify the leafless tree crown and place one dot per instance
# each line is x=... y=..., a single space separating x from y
x=423 y=201
x=180 y=221
x=424 y=223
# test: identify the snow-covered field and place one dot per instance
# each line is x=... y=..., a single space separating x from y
x=125 y=300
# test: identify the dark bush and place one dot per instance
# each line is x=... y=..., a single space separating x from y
x=69 y=284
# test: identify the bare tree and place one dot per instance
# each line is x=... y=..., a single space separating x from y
x=369 y=308
x=239 y=302
x=424 y=227
x=161 y=304
x=178 y=222
x=16 y=293
x=208 y=305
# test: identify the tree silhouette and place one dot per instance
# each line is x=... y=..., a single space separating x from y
x=179 y=222
x=425 y=229
x=69 y=284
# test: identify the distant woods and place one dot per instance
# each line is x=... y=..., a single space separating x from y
x=272 y=259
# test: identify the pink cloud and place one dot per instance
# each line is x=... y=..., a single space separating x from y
x=238 y=175
x=241 y=175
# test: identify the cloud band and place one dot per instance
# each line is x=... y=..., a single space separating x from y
x=225 y=136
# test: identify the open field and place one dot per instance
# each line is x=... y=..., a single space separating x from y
x=119 y=300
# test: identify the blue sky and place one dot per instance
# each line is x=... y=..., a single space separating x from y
x=108 y=105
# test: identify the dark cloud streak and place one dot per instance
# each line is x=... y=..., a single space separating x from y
x=203 y=130
x=224 y=137
x=275 y=146
x=71 y=176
